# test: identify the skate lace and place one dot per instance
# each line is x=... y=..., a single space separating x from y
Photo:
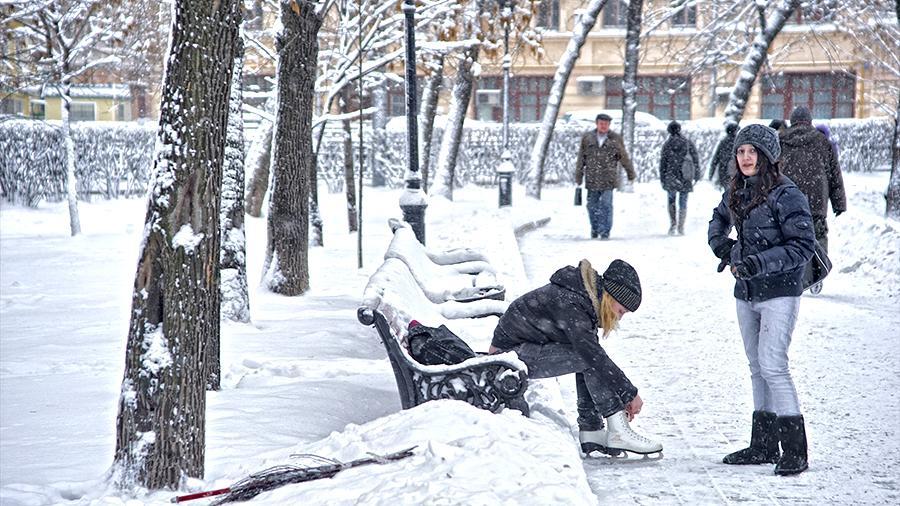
x=637 y=436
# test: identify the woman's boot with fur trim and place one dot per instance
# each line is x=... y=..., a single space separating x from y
x=620 y=436
x=793 y=442
x=763 y=447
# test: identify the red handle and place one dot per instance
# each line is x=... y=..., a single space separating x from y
x=200 y=495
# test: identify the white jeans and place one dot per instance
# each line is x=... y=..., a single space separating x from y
x=766 y=328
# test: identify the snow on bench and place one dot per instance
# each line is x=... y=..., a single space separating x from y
x=462 y=275
x=392 y=299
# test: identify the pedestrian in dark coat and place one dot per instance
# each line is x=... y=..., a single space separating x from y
x=553 y=329
x=775 y=241
x=599 y=155
x=722 y=164
x=810 y=160
x=679 y=168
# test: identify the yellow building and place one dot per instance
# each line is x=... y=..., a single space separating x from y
x=111 y=102
x=824 y=69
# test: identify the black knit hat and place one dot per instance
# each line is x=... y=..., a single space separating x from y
x=622 y=283
x=800 y=115
x=762 y=138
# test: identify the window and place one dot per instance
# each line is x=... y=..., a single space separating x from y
x=686 y=18
x=83 y=111
x=666 y=97
x=827 y=95
x=253 y=14
x=396 y=97
x=123 y=112
x=38 y=109
x=527 y=98
x=815 y=11
x=12 y=106
x=615 y=14
x=548 y=15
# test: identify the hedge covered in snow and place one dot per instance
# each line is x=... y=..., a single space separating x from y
x=113 y=159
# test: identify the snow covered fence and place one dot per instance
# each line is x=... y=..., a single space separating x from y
x=114 y=158
x=111 y=159
x=864 y=144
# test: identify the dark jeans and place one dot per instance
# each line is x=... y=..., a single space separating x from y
x=595 y=400
x=682 y=200
x=600 y=211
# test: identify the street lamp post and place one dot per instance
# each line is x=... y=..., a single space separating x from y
x=506 y=170
x=412 y=202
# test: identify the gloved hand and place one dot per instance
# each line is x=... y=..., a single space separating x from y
x=724 y=250
x=746 y=269
x=838 y=213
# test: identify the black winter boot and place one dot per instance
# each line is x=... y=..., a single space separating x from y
x=763 y=447
x=682 y=217
x=793 y=440
x=672 y=220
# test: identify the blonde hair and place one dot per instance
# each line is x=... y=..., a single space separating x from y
x=609 y=320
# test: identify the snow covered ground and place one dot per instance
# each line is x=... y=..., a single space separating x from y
x=306 y=378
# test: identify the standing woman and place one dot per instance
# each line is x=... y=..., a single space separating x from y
x=679 y=169
x=775 y=241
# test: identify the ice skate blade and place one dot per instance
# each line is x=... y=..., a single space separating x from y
x=655 y=455
x=589 y=448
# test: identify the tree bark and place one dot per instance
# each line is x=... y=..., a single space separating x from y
x=428 y=111
x=259 y=159
x=286 y=268
x=160 y=433
x=459 y=103
x=71 y=181
x=349 y=174
x=586 y=22
x=892 y=196
x=235 y=295
x=755 y=58
x=629 y=78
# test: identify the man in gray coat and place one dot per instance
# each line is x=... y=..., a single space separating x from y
x=599 y=156
x=810 y=161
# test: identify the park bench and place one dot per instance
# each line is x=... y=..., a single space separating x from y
x=393 y=297
x=460 y=274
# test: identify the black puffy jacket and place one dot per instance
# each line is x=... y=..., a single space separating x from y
x=561 y=312
x=674 y=151
x=778 y=233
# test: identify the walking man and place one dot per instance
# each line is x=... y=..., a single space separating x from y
x=599 y=156
x=722 y=166
x=679 y=169
x=810 y=161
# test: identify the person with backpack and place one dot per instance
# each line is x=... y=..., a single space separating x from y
x=722 y=165
x=553 y=329
x=679 y=169
x=775 y=241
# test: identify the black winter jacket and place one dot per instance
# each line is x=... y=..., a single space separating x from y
x=722 y=164
x=809 y=159
x=676 y=148
x=778 y=233
x=561 y=312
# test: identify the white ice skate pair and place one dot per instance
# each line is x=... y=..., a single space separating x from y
x=619 y=437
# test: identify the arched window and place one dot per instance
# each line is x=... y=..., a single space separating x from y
x=615 y=14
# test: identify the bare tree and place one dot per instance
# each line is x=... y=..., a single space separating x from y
x=286 y=268
x=427 y=113
x=233 y=267
x=769 y=27
x=586 y=22
x=349 y=174
x=58 y=43
x=160 y=428
x=444 y=174
x=629 y=78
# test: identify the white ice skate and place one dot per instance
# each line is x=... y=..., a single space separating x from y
x=621 y=437
x=595 y=441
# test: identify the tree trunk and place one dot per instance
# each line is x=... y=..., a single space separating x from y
x=629 y=78
x=235 y=297
x=459 y=103
x=71 y=182
x=428 y=110
x=737 y=102
x=160 y=433
x=535 y=175
x=349 y=175
x=259 y=159
x=286 y=268
x=893 y=192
